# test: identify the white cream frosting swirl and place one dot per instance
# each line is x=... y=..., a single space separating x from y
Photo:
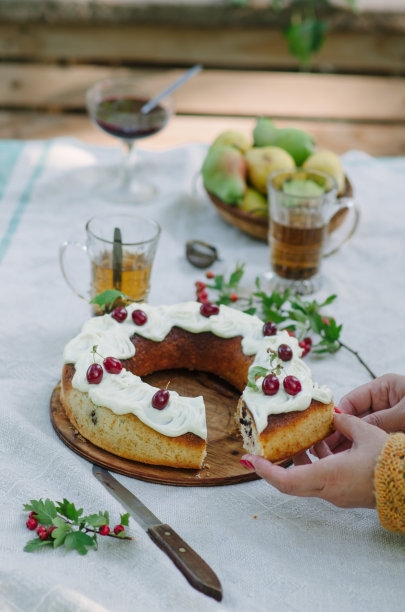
x=125 y=393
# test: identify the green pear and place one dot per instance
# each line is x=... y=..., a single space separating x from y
x=254 y=202
x=235 y=139
x=329 y=162
x=262 y=161
x=224 y=173
x=298 y=143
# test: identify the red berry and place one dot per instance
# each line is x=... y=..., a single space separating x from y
x=50 y=530
x=112 y=365
x=160 y=399
x=32 y=523
x=94 y=374
x=269 y=328
x=285 y=352
x=305 y=348
x=234 y=297
x=42 y=532
x=32 y=514
x=200 y=286
x=139 y=317
x=119 y=314
x=202 y=296
x=209 y=274
x=208 y=309
x=202 y=300
x=291 y=385
x=104 y=530
x=308 y=340
x=118 y=529
x=270 y=384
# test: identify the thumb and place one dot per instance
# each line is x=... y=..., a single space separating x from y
x=350 y=426
x=390 y=420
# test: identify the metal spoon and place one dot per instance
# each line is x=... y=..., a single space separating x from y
x=185 y=77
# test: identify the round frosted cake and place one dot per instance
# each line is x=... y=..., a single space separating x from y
x=281 y=411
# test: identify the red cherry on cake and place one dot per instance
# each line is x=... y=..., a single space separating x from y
x=119 y=314
x=160 y=399
x=291 y=385
x=270 y=384
x=112 y=365
x=269 y=329
x=285 y=352
x=207 y=310
x=94 y=374
x=139 y=317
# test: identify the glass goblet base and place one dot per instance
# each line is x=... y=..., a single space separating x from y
x=135 y=190
x=274 y=282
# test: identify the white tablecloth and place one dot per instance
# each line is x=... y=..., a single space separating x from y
x=298 y=554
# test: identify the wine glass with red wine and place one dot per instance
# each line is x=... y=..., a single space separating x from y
x=115 y=105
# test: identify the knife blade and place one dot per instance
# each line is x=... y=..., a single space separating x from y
x=192 y=566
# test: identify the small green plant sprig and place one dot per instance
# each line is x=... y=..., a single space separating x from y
x=110 y=299
x=288 y=311
x=61 y=523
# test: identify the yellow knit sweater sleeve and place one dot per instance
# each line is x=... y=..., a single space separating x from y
x=390 y=484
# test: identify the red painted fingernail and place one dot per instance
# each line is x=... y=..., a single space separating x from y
x=247 y=464
x=338 y=411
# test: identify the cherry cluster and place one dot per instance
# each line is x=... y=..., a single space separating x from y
x=139 y=317
x=95 y=371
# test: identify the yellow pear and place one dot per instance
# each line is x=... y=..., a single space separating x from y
x=235 y=139
x=262 y=161
x=254 y=202
x=329 y=162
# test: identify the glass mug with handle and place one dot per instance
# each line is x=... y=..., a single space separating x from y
x=121 y=250
x=301 y=205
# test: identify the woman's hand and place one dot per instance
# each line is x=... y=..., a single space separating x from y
x=345 y=479
x=380 y=402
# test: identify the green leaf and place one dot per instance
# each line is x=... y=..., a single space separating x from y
x=254 y=373
x=68 y=509
x=107 y=297
x=125 y=519
x=59 y=534
x=236 y=276
x=45 y=511
x=35 y=544
x=94 y=520
x=250 y=311
x=305 y=37
x=77 y=540
x=328 y=301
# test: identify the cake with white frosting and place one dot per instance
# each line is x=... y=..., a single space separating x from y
x=107 y=401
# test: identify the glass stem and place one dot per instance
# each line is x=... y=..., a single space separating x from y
x=127 y=163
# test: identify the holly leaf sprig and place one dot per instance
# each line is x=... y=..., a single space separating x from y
x=302 y=318
x=62 y=524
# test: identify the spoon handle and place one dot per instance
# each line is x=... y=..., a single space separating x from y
x=185 y=77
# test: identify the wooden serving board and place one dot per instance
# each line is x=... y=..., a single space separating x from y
x=224 y=450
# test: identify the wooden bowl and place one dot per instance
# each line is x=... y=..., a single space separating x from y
x=258 y=227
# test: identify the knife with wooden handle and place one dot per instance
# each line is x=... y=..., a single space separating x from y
x=195 y=569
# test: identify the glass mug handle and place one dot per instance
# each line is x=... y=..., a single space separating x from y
x=335 y=242
x=62 y=253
